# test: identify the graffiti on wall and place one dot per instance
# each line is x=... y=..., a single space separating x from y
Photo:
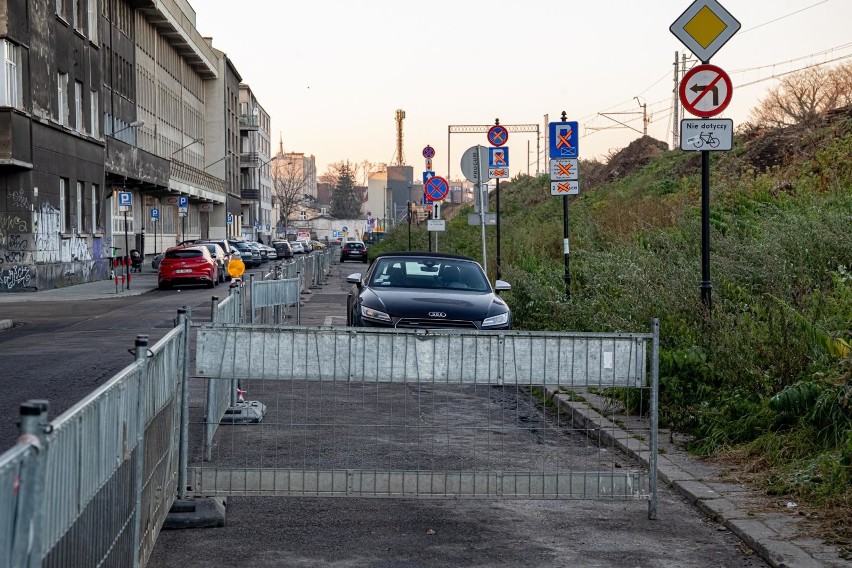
x=14 y=240
x=19 y=199
x=15 y=277
x=47 y=226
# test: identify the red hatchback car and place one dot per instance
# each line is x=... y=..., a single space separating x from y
x=188 y=264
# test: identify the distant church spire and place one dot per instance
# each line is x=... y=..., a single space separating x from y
x=280 y=144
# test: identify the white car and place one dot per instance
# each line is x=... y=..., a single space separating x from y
x=297 y=247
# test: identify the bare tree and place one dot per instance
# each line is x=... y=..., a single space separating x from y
x=288 y=187
x=802 y=97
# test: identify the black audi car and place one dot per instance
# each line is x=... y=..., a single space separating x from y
x=426 y=290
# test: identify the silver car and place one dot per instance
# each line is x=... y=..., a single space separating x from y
x=297 y=247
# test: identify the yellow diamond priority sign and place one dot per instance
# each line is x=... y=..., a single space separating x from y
x=704 y=28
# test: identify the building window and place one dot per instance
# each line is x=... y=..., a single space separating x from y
x=60 y=8
x=94 y=115
x=79 y=14
x=10 y=75
x=80 y=225
x=93 y=20
x=62 y=98
x=78 y=106
x=64 y=206
x=97 y=219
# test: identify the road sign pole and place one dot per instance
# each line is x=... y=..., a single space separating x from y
x=126 y=251
x=497 y=208
x=566 y=247
x=706 y=285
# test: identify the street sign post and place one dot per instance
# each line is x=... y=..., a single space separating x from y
x=473 y=162
x=705 y=90
x=564 y=139
x=564 y=188
x=706 y=134
x=704 y=28
x=564 y=170
x=436 y=189
x=155 y=214
x=125 y=201
x=438 y=225
x=564 y=152
x=498 y=135
x=428 y=152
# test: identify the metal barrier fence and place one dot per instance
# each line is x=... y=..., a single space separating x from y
x=92 y=487
x=424 y=414
x=222 y=395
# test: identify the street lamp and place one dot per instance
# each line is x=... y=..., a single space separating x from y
x=134 y=124
x=182 y=148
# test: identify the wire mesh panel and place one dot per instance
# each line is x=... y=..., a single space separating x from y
x=93 y=464
x=15 y=510
x=437 y=414
x=220 y=393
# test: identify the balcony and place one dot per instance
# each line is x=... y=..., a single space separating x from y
x=250 y=194
x=15 y=139
x=249 y=160
x=248 y=122
x=213 y=187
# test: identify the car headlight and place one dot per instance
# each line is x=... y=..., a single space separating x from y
x=374 y=314
x=502 y=319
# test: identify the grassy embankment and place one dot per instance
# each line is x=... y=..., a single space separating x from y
x=767 y=378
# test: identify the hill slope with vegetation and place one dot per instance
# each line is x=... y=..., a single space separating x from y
x=766 y=378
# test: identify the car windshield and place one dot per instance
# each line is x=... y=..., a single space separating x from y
x=241 y=246
x=187 y=253
x=441 y=273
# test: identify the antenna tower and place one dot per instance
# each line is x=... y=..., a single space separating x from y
x=399 y=158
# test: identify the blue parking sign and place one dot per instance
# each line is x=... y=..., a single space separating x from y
x=125 y=199
x=564 y=137
x=155 y=214
x=183 y=201
x=230 y=217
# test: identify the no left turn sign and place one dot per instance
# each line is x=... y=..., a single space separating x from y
x=705 y=90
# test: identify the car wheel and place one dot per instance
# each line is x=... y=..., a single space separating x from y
x=163 y=286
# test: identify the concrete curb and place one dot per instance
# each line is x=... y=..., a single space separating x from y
x=766 y=542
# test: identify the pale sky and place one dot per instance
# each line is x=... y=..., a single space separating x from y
x=331 y=73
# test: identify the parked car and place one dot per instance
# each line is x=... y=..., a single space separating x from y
x=219 y=256
x=271 y=253
x=318 y=245
x=307 y=246
x=297 y=247
x=426 y=290
x=283 y=249
x=249 y=257
x=264 y=258
x=230 y=251
x=353 y=251
x=187 y=264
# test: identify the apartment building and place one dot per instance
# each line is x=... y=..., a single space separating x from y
x=255 y=169
x=101 y=98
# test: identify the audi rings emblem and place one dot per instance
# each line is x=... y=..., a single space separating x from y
x=437 y=314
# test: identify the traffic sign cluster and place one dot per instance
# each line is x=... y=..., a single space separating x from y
x=705 y=90
x=564 y=157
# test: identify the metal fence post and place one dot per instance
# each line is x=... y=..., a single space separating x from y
x=251 y=300
x=27 y=545
x=214 y=301
x=141 y=413
x=183 y=456
x=655 y=404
